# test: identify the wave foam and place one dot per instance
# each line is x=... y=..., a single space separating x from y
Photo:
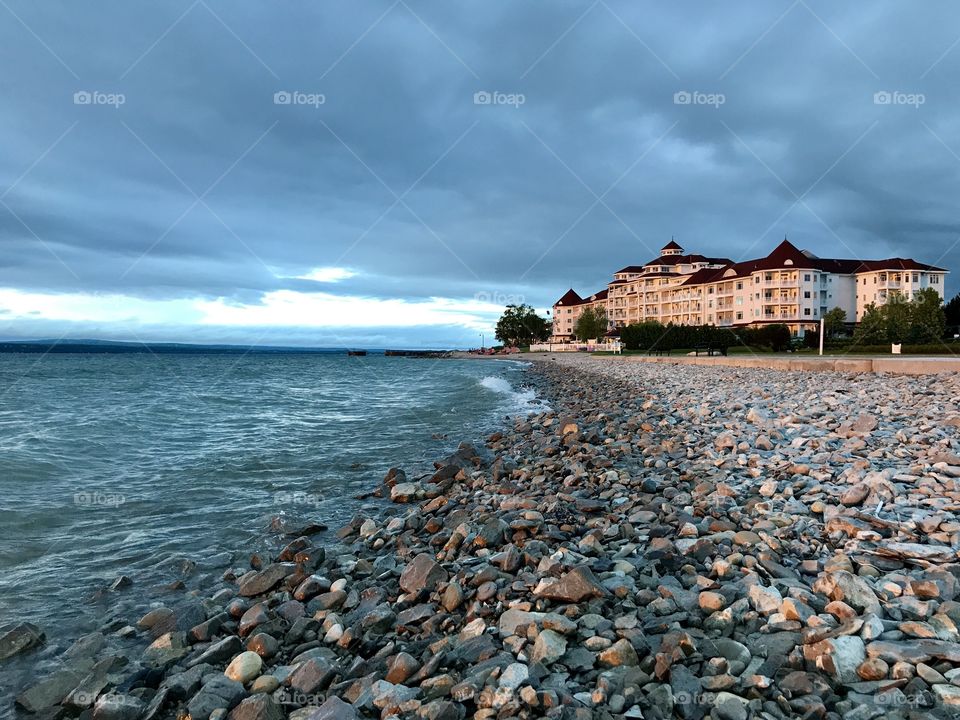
x=516 y=401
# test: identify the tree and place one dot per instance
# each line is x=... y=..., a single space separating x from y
x=592 y=323
x=928 y=319
x=897 y=312
x=952 y=311
x=835 y=322
x=520 y=325
x=776 y=336
x=872 y=329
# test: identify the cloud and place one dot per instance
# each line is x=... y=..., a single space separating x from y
x=327 y=275
x=201 y=184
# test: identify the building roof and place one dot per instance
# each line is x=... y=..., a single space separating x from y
x=601 y=295
x=686 y=260
x=569 y=298
x=671 y=246
x=895 y=264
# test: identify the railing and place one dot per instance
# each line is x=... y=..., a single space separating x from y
x=605 y=346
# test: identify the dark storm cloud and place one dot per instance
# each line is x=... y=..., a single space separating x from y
x=199 y=185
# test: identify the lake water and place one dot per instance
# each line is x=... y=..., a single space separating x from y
x=140 y=465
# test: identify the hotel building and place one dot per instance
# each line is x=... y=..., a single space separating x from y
x=788 y=286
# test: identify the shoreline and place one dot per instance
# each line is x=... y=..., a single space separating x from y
x=647 y=546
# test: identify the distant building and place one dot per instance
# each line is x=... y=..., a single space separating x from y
x=789 y=286
x=568 y=308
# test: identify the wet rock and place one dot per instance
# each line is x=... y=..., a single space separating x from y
x=266 y=579
x=19 y=639
x=118 y=707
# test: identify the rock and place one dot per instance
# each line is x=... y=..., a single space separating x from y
x=873 y=669
x=118 y=707
x=264 y=645
x=549 y=647
x=264 y=684
x=728 y=706
x=19 y=639
x=404 y=492
x=244 y=667
x=401 y=668
x=266 y=579
x=947 y=696
x=855 y=495
x=765 y=600
x=333 y=708
x=311 y=677
x=422 y=573
x=50 y=691
x=514 y=675
x=220 y=651
x=166 y=649
x=576 y=585
x=257 y=707
x=219 y=692
x=840 y=657
x=851 y=589
x=620 y=653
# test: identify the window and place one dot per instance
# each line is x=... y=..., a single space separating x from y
x=806 y=294
x=806 y=311
x=934 y=279
x=916 y=277
x=756 y=280
x=806 y=278
x=874 y=279
x=739 y=286
x=739 y=316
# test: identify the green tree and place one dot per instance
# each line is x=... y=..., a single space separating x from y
x=952 y=311
x=643 y=336
x=592 y=323
x=928 y=319
x=835 y=322
x=872 y=329
x=520 y=325
x=897 y=312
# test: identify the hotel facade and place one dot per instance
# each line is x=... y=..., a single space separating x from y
x=789 y=286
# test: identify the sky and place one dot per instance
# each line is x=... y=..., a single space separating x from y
x=392 y=173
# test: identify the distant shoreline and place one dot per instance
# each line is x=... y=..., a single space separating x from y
x=112 y=348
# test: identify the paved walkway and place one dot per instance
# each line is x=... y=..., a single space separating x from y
x=896 y=364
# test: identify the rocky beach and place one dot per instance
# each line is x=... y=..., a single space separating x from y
x=665 y=541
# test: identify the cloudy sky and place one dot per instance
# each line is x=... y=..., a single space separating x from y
x=390 y=173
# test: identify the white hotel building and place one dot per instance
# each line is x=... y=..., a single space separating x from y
x=788 y=286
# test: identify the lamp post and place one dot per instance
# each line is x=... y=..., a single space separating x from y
x=481 y=342
x=822 y=326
